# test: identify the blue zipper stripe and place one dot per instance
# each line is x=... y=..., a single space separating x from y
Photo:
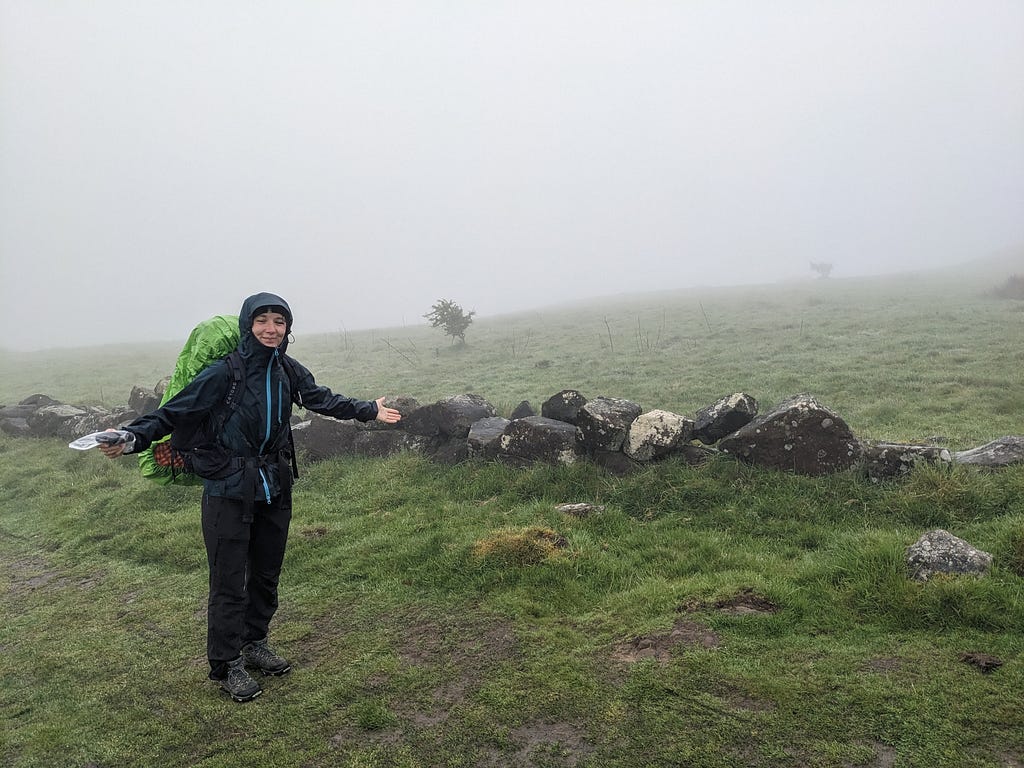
x=266 y=436
x=266 y=487
x=270 y=411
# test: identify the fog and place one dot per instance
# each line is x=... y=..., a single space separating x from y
x=160 y=161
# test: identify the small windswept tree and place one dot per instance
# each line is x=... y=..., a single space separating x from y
x=449 y=315
x=823 y=268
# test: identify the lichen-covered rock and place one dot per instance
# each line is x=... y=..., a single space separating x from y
x=161 y=386
x=99 y=419
x=17 y=411
x=39 y=401
x=564 y=406
x=450 y=417
x=404 y=404
x=723 y=418
x=522 y=410
x=656 y=434
x=484 y=440
x=1003 y=452
x=142 y=400
x=799 y=435
x=940 y=551
x=380 y=443
x=539 y=439
x=615 y=462
x=323 y=438
x=579 y=509
x=603 y=423
x=55 y=420
x=885 y=461
x=16 y=427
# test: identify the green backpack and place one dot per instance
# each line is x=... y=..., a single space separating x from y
x=209 y=341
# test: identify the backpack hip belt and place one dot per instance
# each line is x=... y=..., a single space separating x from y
x=252 y=466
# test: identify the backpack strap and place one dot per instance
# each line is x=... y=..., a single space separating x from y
x=237 y=367
x=178 y=454
x=289 y=368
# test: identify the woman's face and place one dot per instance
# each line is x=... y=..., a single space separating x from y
x=269 y=328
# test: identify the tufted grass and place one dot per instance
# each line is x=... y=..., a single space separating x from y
x=426 y=631
x=709 y=616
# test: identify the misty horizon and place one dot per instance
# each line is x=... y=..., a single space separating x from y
x=158 y=164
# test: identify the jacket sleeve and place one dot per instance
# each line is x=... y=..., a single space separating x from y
x=189 y=406
x=311 y=396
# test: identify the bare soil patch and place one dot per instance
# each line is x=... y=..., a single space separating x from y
x=660 y=646
x=28 y=574
x=985 y=662
x=745 y=602
x=735 y=698
x=462 y=651
x=543 y=744
x=883 y=664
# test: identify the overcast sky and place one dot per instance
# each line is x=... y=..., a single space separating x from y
x=364 y=159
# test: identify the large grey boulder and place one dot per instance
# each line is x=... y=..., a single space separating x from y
x=142 y=400
x=940 y=551
x=603 y=423
x=39 y=401
x=615 y=462
x=16 y=427
x=98 y=419
x=885 y=461
x=404 y=404
x=656 y=434
x=449 y=452
x=1002 y=452
x=538 y=439
x=381 y=443
x=322 y=437
x=17 y=411
x=450 y=417
x=723 y=418
x=522 y=410
x=484 y=438
x=55 y=420
x=563 y=406
x=161 y=386
x=799 y=435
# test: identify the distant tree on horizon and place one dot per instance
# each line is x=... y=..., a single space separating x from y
x=823 y=268
x=448 y=315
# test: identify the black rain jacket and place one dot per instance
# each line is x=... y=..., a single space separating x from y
x=257 y=431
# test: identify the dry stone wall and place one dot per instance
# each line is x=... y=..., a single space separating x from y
x=799 y=435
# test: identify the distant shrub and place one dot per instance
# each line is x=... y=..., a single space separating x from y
x=1012 y=288
x=450 y=316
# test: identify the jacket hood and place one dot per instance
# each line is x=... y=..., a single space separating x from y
x=248 y=345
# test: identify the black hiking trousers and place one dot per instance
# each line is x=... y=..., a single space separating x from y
x=245 y=549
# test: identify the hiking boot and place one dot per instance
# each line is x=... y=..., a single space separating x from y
x=238 y=683
x=262 y=656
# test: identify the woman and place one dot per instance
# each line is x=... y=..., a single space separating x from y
x=247 y=507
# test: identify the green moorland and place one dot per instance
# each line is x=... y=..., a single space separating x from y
x=719 y=615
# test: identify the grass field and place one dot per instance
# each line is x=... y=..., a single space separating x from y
x=711 y=616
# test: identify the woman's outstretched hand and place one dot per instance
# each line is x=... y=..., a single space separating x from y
x=385 y=414
x=111 y=450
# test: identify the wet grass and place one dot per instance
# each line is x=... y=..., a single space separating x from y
x=451 y=616
x=429 y=628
